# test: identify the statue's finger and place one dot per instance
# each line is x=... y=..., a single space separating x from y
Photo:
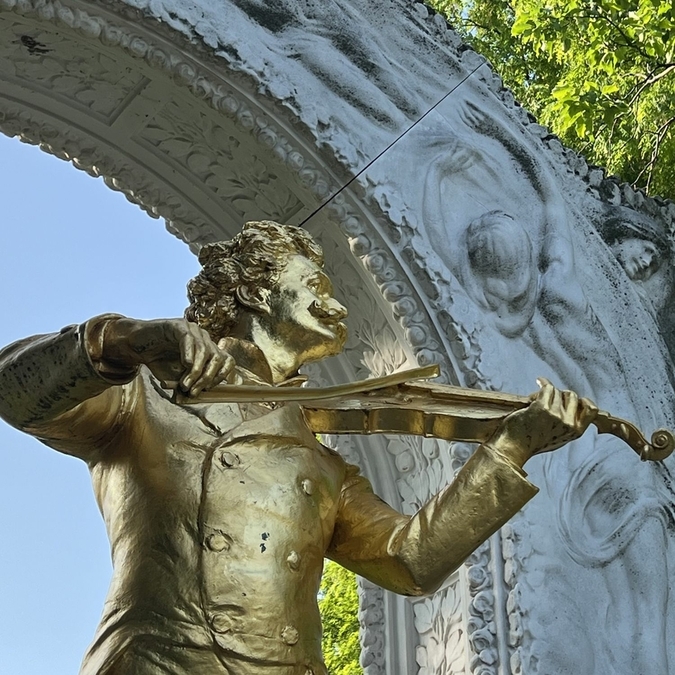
x=199 y=359
x=546 y=392
x=556 y=402
x=187 y=350
x=212 y=367
x=570 y=408
x=226 y=371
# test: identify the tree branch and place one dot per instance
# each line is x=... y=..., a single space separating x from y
x=627 y=42
x=660 y=135
x=651 y=79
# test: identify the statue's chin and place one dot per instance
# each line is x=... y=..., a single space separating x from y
x=341 y=333
x=331 y=347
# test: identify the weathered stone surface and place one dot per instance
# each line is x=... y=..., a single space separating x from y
x=477 y=242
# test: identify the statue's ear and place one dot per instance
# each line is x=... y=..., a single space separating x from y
x=254 y=298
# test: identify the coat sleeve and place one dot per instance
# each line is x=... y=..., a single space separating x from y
x=57 y=388
x=414 y=555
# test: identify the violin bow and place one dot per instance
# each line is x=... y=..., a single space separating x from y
x=404 y=388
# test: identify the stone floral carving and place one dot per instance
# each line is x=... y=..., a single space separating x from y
x=439 y=621
x=371 y=621
x=515 y=554
x=446 y=625
x=211 y=154
x=47 y=60
x=119 y=174
x=481 y=625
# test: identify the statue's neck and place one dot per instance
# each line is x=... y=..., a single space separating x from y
x=283 y=361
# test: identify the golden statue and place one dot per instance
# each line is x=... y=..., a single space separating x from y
x=219 y=501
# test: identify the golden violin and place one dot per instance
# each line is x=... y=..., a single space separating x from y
x=401 y=404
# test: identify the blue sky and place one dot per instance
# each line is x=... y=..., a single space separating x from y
x=70 y=249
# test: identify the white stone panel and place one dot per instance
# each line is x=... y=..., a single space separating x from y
x=477 y=242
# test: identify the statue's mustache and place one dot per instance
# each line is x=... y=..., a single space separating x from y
x=333 y=314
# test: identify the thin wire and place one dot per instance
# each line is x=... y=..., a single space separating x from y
x=389 y=147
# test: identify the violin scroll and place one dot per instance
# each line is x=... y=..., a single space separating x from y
x=662 y=441
x=662 y=445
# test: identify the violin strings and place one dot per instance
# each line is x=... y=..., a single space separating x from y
x=389 y=147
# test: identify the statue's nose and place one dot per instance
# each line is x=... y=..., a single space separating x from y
x=337 y=311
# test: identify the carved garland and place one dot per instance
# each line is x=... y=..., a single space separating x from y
x=121 y=174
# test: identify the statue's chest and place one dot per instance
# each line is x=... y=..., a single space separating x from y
x=271 y=469
x=242 y=465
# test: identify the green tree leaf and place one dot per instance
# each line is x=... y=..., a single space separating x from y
x=339 y=607
x=599 y=73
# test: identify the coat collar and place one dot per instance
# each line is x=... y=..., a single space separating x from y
x=252 y=368
x=248 y=356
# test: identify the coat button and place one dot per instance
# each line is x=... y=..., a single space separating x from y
x=308 y=487
x=221 y=623
x=293 y=560
x=217 y=542
x=229 y=459
x=290 y=635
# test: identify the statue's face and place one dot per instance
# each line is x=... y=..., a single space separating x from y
x=639 y=257
x=303 y=316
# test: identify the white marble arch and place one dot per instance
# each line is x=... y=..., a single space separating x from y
x=161 y=119
x=210 y=114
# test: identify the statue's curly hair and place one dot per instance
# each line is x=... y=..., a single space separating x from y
x=253 y=258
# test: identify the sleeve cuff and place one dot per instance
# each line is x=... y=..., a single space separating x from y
x=499 y=456
x=92 y=336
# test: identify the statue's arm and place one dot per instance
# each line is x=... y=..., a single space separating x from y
x=65 y=388
x=413 y=555
x=58 y=388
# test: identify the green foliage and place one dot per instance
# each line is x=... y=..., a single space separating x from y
x=339 y=605
x=599 y=73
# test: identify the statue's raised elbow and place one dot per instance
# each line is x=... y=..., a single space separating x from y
x=423 y=582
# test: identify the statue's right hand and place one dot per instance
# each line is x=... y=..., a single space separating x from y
x=175 y=347
x=554 y=418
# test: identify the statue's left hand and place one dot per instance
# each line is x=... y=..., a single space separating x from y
x=553 y=419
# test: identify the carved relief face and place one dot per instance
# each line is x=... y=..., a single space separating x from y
x=639 y=258
x=501 y=260
x=648 y=268
x=303 y=314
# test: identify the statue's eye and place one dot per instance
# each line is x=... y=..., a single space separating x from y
x=316 y=285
